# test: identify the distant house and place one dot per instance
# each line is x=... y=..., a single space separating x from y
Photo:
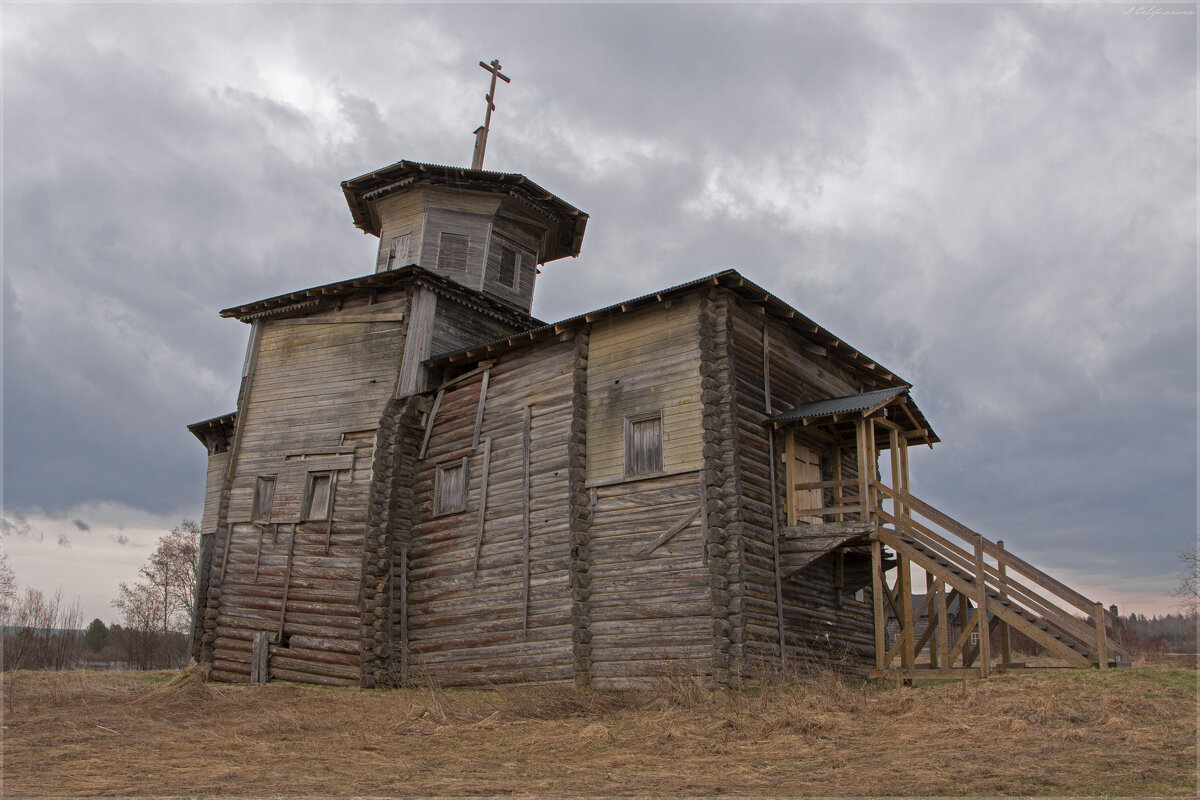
x=421 y=480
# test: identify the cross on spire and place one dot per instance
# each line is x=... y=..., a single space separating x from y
x=481 y=133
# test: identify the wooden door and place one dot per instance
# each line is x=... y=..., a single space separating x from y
x=803 y=466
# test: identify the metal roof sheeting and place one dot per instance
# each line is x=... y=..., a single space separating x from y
x=839 y=405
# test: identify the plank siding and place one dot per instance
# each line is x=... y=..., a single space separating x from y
x=466 y=626
x=218 y=466
x=813 y=621
x=639 y=363
x=315 y=399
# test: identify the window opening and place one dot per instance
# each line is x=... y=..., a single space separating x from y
x=264 y=494
x=316 y=502
x=450 y=488
x=643 y=444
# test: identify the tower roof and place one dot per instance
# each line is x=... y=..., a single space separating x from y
x=567 y=223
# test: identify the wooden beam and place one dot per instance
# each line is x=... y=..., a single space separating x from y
x=525 y=503
x=437 y=403
x=483 y=388
x=766 y=361
x=287 y=585
x=333 y=482
x=877 y=599
x=670 y=533
x=703 y=518
x=487 y=465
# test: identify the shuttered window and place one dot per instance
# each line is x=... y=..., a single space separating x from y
x=450 y=488
x=643 y=444
x=452 y=251
x=318 y=495
x=264 y=494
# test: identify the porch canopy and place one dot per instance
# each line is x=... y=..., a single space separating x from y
x=836 y=416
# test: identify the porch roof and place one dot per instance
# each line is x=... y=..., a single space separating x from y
x=894 y=401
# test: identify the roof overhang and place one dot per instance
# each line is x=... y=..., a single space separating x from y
x=218 y=428
x=305 y=301
x=866 y=368
x=567 y=222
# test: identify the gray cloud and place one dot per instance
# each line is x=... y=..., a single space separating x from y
x=81 y=525
x=63 y=540
x=995 y=201
x=18 y=526
x=122 y=539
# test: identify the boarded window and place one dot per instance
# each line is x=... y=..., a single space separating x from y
x=643 y=444
x=450 y=487
x=316 y=499
x=452 y=252
x=264 y=494
x=398 y=251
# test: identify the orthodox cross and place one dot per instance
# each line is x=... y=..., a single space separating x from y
x=482 y=131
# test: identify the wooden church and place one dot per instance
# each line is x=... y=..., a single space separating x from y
x=423 y=482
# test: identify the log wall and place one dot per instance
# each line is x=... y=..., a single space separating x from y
x=504 y=615
x=811 y=615
x=313 y=400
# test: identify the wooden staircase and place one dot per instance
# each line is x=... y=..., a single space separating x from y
x=963 y=567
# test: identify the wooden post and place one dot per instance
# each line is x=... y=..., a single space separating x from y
x=287 y=585
x=877 y=597
x=1101 y=638
x=943 y=621
x=789 y=475
x=931 y=619
x=483 y=491
x=864 y=478
x=985 y=645
x=333 y=482
x=259 y=658
x=525 y=500
x=483 y=387
x=897 y=480
x=837 y=476
x=404 y=614
x=766 y=357
x=703 y=518
x=437 y=403
x=907 y=656
x=1005 y=633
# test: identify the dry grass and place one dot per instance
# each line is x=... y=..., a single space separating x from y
x=1059 y=732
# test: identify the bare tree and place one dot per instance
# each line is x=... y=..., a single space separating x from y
x=156 y=608
x=1188 y=592
x=42 y=632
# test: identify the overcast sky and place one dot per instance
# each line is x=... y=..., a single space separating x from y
x=996 y=202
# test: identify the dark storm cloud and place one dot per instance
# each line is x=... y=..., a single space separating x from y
x=996 y=201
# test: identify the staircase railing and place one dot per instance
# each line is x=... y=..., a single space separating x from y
x=1006 y=589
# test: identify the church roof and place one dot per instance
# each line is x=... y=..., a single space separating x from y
x=306 y=300
x=730 y=279
x=362 y=191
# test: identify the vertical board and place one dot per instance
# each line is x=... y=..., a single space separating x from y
x=469 y=625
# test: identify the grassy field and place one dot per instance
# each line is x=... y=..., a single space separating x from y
x=1052 y=732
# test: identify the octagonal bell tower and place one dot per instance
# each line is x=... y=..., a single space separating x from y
x=487 y=231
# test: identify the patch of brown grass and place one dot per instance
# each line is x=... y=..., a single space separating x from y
x=1054 y=732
